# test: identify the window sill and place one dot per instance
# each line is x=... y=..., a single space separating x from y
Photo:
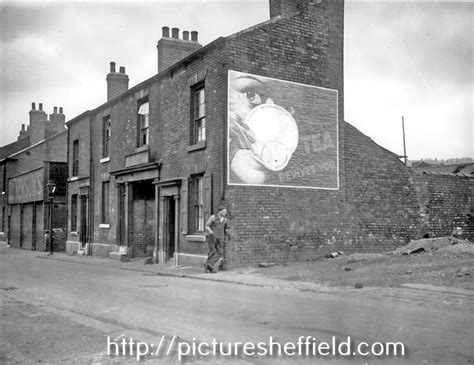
x=104 y=160
x=142 y=148
x=197 y=146
x=73 y=234
x=195 y=238
x=104 y=225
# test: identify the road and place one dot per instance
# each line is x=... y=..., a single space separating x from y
x=76 y=306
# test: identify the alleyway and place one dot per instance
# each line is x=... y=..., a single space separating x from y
x=62 y=312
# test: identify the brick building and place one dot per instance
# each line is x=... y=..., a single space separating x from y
x=27 y=165
x=254 y=121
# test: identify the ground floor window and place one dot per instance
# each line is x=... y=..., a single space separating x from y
x=74 y=213
x=196 y=204
x=3 y=220
x=105 y=202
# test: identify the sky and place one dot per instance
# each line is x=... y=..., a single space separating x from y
x=412 y=59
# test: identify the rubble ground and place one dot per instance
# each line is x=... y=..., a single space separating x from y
x=444 y=261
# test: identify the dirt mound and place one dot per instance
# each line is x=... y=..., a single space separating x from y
x=430 y=245
x=361 y=257
x=464 y=247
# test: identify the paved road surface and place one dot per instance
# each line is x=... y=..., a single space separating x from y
x=80 y=304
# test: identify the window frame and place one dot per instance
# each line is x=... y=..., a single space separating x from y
x=106 y=136
x=4 y=210
x=198 y=120
x=4 y=179
x=74 y=217
x=75 y=157
x=105 y=203
x=196 y=204
x=143 y=131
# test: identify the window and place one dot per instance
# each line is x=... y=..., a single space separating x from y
x=4 y=178
x=198 y=118
x=143 y=124
x=3 y=219
x=196 y=203
x=106 y=132
x=75 y=158
x=74 y=213
x=105 y=202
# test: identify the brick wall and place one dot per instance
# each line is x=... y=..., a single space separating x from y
x=445 y=202
x=285 y=223
x=380 y=192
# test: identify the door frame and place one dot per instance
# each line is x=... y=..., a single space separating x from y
x=169 y=194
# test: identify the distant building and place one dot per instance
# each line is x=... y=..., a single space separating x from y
x=39 y=156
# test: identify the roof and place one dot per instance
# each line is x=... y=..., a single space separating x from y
x=14 y=147
x=16 y=153
x=464 y=169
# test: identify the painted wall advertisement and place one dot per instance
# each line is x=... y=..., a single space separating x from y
x=281 y=133
x=26 y=188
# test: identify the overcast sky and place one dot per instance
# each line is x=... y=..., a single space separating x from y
x=401 y=58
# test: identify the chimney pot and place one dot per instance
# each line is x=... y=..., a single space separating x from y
x=175 y=33
x=112 y=66
x=55 y=110
x=122 y=69
x=60 y=110
x=40 y=106
x=33 y=106
x=194 y=36
x=22 y=127
x=165 y=32
x=186 y=35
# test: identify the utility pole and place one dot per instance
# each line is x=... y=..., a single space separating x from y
x=404 y=144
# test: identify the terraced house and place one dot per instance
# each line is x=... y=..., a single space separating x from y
x=254 y=121
x=28 y=167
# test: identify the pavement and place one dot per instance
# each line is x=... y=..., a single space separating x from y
x=230 y=276
x=454 y=298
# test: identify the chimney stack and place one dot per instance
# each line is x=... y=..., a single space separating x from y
x=56 y=122
x=23 y=132
x=289 y=7
x=38 y=120
x=117 y=82
x=173 y=49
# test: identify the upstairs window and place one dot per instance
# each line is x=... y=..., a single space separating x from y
x=198 y=115
x=106 y=133
x=75 y=158
x=143 y=124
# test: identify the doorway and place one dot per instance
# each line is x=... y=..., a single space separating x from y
x=121 y=215
x=83 y=221
x=169 y=227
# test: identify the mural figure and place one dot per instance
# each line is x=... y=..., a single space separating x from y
x=263 y=135
x=274 y=134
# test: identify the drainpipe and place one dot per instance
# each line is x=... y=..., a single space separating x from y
x=90 y=195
